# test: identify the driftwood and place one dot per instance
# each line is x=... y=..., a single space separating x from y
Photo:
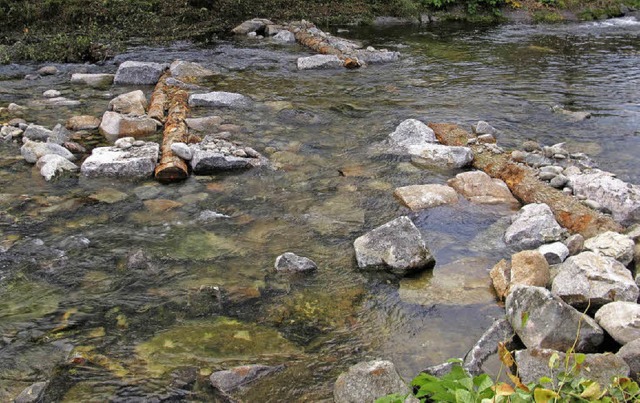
x=158 y=103
x=527 y=188
x=172 y=168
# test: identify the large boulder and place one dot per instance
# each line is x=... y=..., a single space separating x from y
x=612 y=244
x=529 y=267
x=621 y=198
x=396 y=246
x=115 y=125
x=630 y=353
x=479 y=187
x=220 y=99
x=542 y=320
x=82 y=122
x=621 y=320
x=368 y=381
x=32 y=151
x=319 y=62
x=441 y=156
x=591 y=279
x=51 y=165
x=131 y=103
x=135 y=161
x=412 y=132
x=181 y=69
x=139 y=73
x=233 y=379
x=418 y=197
x=533 y=364
x=533 y=226
x=253 y=25
x=92 y=80
x=217 y=155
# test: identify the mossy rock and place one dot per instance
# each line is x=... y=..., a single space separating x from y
x=22 y=300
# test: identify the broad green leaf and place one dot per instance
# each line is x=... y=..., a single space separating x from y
x=394 y=398
x=579 y=357
x=464 y=396
x=467 y=383
x=545 y=379
x=544 y=395
x=483 y=382
x=593 y=391
x=455 y=360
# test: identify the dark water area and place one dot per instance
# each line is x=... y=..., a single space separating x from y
x=74 y=313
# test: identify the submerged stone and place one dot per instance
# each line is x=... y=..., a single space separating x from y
x=368 y=381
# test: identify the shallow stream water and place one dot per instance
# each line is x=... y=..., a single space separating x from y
x=77 y=315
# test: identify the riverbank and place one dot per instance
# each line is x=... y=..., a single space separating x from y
x=93 y=31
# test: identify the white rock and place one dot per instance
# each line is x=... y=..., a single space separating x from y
x=319 y=62
x=621 y=320
x=32 y=151
x=51 y=165
x=135 y=162
x=412 y=132
x=220 y=99
x=612 y=244
x=368 y=381
x=532 y=226
x=182 y=150
x=92 y=80
x=482 y=127
x=51 y=94
x=555 y=253
x=441 y=156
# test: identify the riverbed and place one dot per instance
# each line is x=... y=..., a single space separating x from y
x=73 y=312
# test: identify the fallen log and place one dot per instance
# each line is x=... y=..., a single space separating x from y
x=158 y=102
x=526 y=187
x=321 y=45
x=171 y=167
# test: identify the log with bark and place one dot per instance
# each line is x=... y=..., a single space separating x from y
x=526 y=187
x=171 y=167
x=321 y=45
x=158 y=104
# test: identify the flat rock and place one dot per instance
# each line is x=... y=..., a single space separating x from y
x=479 y=187
x=542 y=320
x=621 y=320
x=115 y=125
x=206 y=124
x=529 y=267
x=441 y=156
x=134 y=162
x=52 y=165
x=139 y=73
x=32 y=151
x=612 y=244
x=253 y=25
x=619 y=197
x=181 y=69
x=319 y=62
x=285 y=36
x=630 y=353
x=131 y=103
x=533 y=226
x=292 y=263
x=217 y=155
x=82 y=122
x=220 y=99
x=554 y=253
x=534 y=363
x=93 y=80
x=589 y=278
x=232 y=379
x=412 y=132
x=418 y=197
x=368 y=381
x=396 y=246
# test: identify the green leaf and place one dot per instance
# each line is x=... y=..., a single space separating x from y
x=467 y=383
x=483 y=382
x=394 y=398
x=542 y=395
x=524 y=319
x=464 y=396
x=457 y=372
x=455 y=360
x=579 y=357
x=553 y=361
x=545 y=379
x=592 y=392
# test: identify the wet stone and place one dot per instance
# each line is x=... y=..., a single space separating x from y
x=368 y=381
x=231 y=379
x=32 y=394
x=319 y=62
x=139 y=73
x=292 y=263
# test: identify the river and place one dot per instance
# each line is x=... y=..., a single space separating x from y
x=74 y=313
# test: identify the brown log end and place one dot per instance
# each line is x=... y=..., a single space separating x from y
x=351 y=63
x=171 y=172
x=450 y=134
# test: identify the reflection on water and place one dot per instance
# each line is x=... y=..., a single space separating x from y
x=79 y=309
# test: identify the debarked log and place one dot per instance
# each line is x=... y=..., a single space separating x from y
x=526 y=187
x=321 y=46
x=158 y=102
x=171 y=167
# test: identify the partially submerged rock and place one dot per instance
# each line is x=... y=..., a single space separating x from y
x=131 y=103
x=83 y=122
x=440 y=155
x=230 y=380
x=542 y=320
x=368 y=381
x=32 y=151
x=479 y=187
x=220 y=99
x=396 y=246
x=93 y=80
x=575 y=116
x=217 y=155
x=292 y=263
x=115 y=125
x=533 y=226
x=139 y=73
x=37 y=133
x=621 y=320
x=136 y=161
x=418 y=197
x=412 y=132
x=319 y=62
x=51 y=165
x=256 y=25
x=181 y=69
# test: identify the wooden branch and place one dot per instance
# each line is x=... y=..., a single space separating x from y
x=159 y=102
x=172 y=168
x=527 y=188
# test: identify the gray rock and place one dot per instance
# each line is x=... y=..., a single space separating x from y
x=135 y=162
x=206 y=162
x=555 y=253
x=182 y=69
x=182 y=150
x=575 y=244
x=479 y=187
x=368 y=381
x=530 y=146
x=621 y=198
x=532 y=226
x=612 y=244
x=396 y=246
x=253 y=25
x=542 y=320
x=51 y=94
x=115 y=125
x=37 y=133
x=48 y=71
x=482 y=127
x=621 y=320
x=139 y=73
x=138 y=260
x=74 y=242
x=210 y=215
x=592 y=204
x=285 y=36
x=412 y=132
x=633 y=232
x=588 y=278
x=32 y=151
x=93 y=80
x=292 y=263
x=233 y=379
x=58 y=101
x=573 y=116
x=547 y=175
x=534 y=363
x=559 y=181
x=499 y=332
x=51 y=165
x=172 y=81
x=319 y=62
x=220 y=99
x=418 y=197
x=131 y=103
x=32 y=394
x=206 y=124
x=272 y=29
x=59 y=135
x=83 y=122
x=376 y=56
x=630 y=353
x=441 y=156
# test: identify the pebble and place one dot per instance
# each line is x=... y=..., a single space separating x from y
x=592 y=204
x=518 y=156
x=559 y=181
x=530 y=146
x=51 y=94
x=48 y=71
x=547 y=175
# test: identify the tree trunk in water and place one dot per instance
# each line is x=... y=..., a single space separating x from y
x=172 y=168
x=524 y=185
x=321 y=46
x=158 y=103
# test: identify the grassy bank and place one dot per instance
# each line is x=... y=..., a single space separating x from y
x=93 y=30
